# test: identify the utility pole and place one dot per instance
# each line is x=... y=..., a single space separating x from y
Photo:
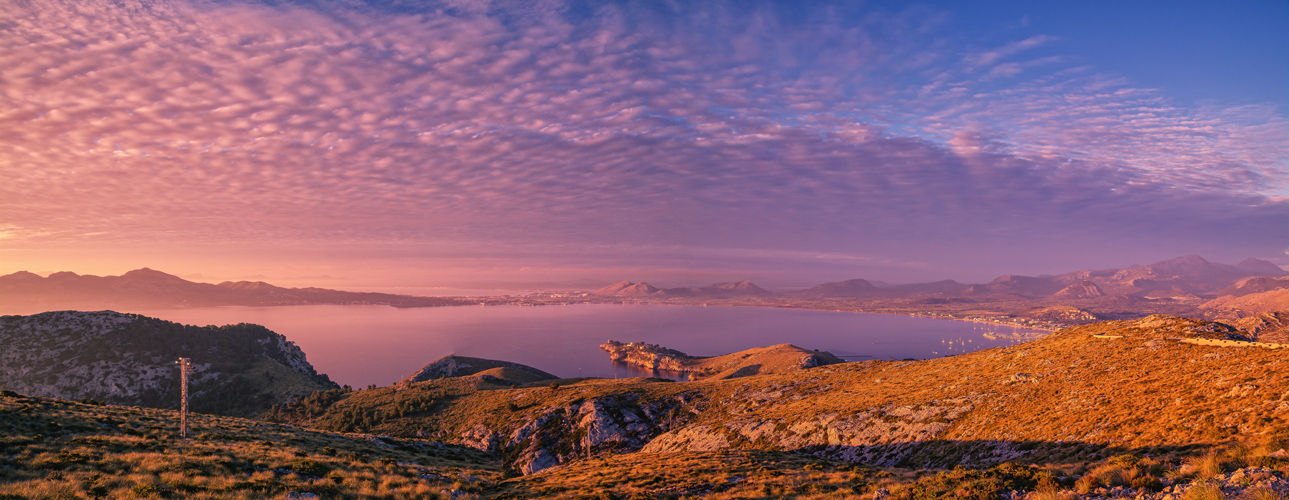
x=185 y=367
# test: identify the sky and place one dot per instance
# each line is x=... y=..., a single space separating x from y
x=365 y=143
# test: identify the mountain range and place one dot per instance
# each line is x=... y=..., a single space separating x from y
x=1188 y=276
x=149 y=289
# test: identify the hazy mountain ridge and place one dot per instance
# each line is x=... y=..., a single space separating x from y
x=1179 y=286
x=146 y=288
x=130 y=359
x=1189 y=274
x=715 y=290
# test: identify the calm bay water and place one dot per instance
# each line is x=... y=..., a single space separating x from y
x=361 y=345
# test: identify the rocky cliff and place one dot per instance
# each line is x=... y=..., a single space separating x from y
x=130 y=359
x=757 y=361
x=649 y=356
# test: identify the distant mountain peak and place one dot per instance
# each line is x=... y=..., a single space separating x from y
x=734 y=288
x=627 y=289
x=150 y=274
x=1261 y=267
x=848 y=288
x=1082 y=290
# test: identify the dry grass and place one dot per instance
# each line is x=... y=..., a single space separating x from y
x=1205 y=492
x=1262 y=494
x=52 y=449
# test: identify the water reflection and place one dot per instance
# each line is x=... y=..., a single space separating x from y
x=624 y=370
x=361 y=345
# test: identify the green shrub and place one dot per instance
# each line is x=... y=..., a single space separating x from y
x=151 y=489
x=1151 y=483
x=309 y=468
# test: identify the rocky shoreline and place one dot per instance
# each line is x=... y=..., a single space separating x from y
x=650 y=356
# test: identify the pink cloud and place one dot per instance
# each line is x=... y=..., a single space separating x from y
x=241 y=122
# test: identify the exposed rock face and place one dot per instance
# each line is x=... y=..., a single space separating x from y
x=1082 y=290
x=129 y=359
x=649 y=356
x=460 y=366
x=1266 y=327
x=564 y=433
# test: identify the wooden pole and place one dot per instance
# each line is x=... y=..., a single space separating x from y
x=185 y=367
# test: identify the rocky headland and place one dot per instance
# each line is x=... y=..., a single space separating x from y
x=779 y=358
x=129 y=359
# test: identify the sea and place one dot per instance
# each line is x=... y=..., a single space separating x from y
x=364 y=345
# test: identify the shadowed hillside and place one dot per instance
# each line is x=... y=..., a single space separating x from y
x=130 y=359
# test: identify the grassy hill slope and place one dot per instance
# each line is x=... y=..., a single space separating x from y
x=53 y=448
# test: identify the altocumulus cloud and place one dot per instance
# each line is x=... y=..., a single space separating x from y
x=594 y=130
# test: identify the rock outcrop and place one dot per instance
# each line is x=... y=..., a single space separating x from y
x=649 y=356
x=1270 y=327
x=780 y=358
x=559 y=434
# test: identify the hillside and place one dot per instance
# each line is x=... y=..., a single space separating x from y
x=1236 y=307
x=461 y=366
x=60 y=449
x=149 y=289
x=130 y=359
x=52 y=448
x=1080 y=395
